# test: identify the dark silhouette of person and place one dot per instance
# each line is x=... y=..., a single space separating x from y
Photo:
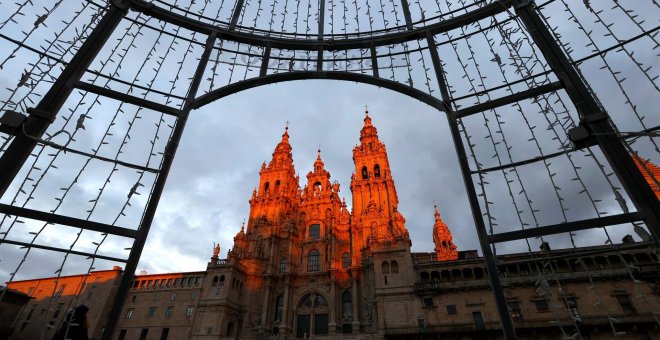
x=75 y=325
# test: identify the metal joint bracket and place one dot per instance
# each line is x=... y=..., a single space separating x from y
x=10 y=121
x=41 y=114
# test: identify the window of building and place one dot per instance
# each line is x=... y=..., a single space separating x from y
x=135 y=284
x=151 y=312
x=177 y=281
x=345 y=260
x=143 y=333
x=58 y=310
x=230 y=328
x=542 y=305
x=142 y=282
x=451 y=310
x=156 y=283
x=173 y=296
x=129 y=313
x=365 y=172
x=346 y=305
x=193 y=296
x=189 y=310
x=571 y=304
x=169 y=282
x=156 y=296
x=313 y=261
x=169 y=310
x=122 y=334
x=314 y=232
x=421 y=325
x=164 y=333
x=428 y=302
x=394 y=267
x=626 y=304
x=31 y=312
x=514 y=310
x=266 y=186
x=149 y=283
x=283 y=265
x=376 y=170
x=279 y=305
x=214 y=283
x=386 y=267
x=478 y=321
x=222 y=280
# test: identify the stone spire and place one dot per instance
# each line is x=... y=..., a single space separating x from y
x=277 y=194
x=375 y=202
x=445 y=250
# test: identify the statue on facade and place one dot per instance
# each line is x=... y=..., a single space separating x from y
x=216 y=250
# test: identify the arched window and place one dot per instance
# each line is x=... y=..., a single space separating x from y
x=266 y=186
x=345 y=260
x=222 y=280
x=346 y=306
x=283 y=265
x=277 y=186
x=365 y=172
x=313 y=261
x=376 y=170
x=316 y=189
x=230 y=328
x=315 y=231
x=394 y=267
x=386 y=267
x=279 y=305
x=215 y=281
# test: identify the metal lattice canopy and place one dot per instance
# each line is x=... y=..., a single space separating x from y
x=505 y=72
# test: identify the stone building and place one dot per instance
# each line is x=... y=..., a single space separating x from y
x=306 y=266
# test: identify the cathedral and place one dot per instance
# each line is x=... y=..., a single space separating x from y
x=307 y=266
x=299 y=262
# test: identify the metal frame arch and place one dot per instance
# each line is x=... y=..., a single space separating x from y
x=317 y=75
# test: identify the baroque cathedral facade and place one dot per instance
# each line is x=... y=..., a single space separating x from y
x=299 y=262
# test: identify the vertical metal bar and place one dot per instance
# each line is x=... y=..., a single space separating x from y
x=500 y=299
x=321 y=19
x=145 y=225
x=319 y=58
x=374 y=60
x=264 y=61
x=406 y=14
x=45 y=112
x=236 y=14
x=593 y=117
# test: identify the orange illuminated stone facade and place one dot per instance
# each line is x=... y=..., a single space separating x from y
x=300 y=260
x=651 y=173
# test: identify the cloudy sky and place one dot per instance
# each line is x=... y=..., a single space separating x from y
x=225 y=142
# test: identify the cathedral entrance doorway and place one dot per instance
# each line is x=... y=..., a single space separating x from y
x=312 y=316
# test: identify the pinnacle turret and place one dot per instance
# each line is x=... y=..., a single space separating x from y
x=445 y=249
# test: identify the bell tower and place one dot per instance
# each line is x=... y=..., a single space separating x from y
x=277 y=194
x=445 y=250
x=375 y=202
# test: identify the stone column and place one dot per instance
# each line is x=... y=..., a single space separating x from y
x=333 y=305
x=355 y=302
x=284 y=328
x=264 y=307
